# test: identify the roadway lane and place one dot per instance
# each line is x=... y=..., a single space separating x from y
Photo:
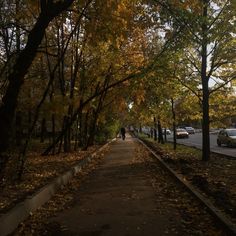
x=196 y=141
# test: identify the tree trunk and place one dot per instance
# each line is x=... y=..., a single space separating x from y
x=53 y=133
x=165 y=137
x=69 y=137
x=205 y=88
x=43 y=130
x=160 y=135
x=174 y=123
x=140 y=128
x=29 y=122
x=85 y=131
x=80 y=127
x=65 y=123
x=18 y=43
x=18 y=128
x=151 y=133
x=76 y=134
x=155 y=128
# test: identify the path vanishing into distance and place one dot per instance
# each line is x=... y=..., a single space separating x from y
x=122 y=197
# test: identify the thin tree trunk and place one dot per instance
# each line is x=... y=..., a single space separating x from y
x=17 y=4
x=29 y=121
x=160 y=135
x=80 y=122
x=174 y=123
x=91 y=129
x=205 y=88
x=140 y=128
x=155 y=128
x=65 y=123
x=85 y=131
x=165 y=137
x=76 y=134
x=61 y=137
x=53 y=133
x=152 y=133
x=43 y=130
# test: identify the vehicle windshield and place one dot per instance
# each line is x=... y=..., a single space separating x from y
x=232 y=132
x=181 y=130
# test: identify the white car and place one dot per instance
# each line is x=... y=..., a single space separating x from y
x=168 y=132
x=190 y=130
x=181 y=133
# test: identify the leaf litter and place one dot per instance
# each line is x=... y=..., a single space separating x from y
x=187 y=216
x=215 y=179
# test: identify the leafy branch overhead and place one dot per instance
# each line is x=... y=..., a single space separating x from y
x=67 y=67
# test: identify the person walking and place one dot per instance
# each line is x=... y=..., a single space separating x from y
x=122 y=131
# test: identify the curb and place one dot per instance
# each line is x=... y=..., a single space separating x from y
x=10 y=220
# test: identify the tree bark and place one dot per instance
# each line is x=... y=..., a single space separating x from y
x=165 y=136
x=76 y=134
x=160 y=135
x=174 y=123
x=53 y=133
x=140 y=128
x=205 y=88
x=43 y=130
x=18 y=128
x=65 y=124
x=85 y=131
x=155 y=128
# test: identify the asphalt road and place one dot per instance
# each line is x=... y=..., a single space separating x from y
x=196 y=141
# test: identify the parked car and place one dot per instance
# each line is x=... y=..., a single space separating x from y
x=190 y=130
x=181 y=133
x=168 y=132
x=227 y=137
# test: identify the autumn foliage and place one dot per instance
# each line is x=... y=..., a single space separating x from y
x=73 y=71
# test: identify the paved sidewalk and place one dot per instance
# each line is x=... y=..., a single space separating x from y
x=116 y=199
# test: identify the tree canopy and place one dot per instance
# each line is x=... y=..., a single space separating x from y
x=74 y=70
